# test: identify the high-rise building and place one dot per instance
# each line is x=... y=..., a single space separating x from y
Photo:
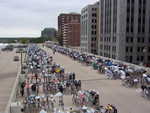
x=65 y=19
x=49 y=33
x=125 y=30
x=72 y=34
x=89 y=28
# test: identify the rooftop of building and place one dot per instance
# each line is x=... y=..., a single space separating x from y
x=90 y=5
x=72 y=13
x=49 y=29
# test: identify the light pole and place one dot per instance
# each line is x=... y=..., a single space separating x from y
x=21 y=62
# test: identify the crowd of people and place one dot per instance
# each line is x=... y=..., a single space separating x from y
x=45 y=82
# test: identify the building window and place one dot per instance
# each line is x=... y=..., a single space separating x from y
x=140 y=49
x=139 y=28
x=132 y=1
x=101 y=38
x=142 y=58
x=149 y=49
x=92 y=32
x=144 y=11
x=127 y=28
x=128 y=20
x=138 y=59
x=148 y=58
x=127 y=39
x=142 y=40
x=131 y=49
x=126 y=49
x=131 y=39
x=114 y=48
x=101 y=46
x=144 y=2
x=128 y=9
x=138 y=39
x=114 y=56
x=140 y=2
x=126 y=58
x=94 y=15
x=143 y=28
x=114 y=39
x=131 y=59
x=131 y=28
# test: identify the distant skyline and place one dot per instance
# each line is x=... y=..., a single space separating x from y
x=28 y=17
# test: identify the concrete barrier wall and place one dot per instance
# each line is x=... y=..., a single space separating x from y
x=12 y=97
x=117 y=61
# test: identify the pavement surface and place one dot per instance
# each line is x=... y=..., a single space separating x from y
x=8 y=73
x=111 y=91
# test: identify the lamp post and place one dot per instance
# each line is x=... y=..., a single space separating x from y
x=21 y=62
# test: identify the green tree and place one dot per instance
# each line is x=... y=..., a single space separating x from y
x=24 y=41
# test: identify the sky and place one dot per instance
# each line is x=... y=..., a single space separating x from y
x=20 y=18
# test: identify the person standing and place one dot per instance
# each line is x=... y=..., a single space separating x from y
x=22 y=88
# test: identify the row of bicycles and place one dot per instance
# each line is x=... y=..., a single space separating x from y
x=130 y=76
x=45 y=83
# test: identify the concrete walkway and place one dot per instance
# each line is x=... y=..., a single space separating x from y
x=111 y=91
x=8 y=72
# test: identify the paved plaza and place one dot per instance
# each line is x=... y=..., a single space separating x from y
x=111 y=91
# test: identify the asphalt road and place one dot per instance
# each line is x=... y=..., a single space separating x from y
x=111 y=91
x=8 y=72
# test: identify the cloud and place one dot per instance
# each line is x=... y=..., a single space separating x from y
x=19 y=17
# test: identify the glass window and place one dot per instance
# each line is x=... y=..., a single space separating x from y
x=138 y=49
x=142 y=58
x=127 y=39
x=131 y=39
x=126 y=49
x=131 y=49
x=137 y=58
x=148 y=58
x=130 y=59
x=127 y=29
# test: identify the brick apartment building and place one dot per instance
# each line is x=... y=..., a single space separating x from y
x=66 y=21
x=72 y=34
